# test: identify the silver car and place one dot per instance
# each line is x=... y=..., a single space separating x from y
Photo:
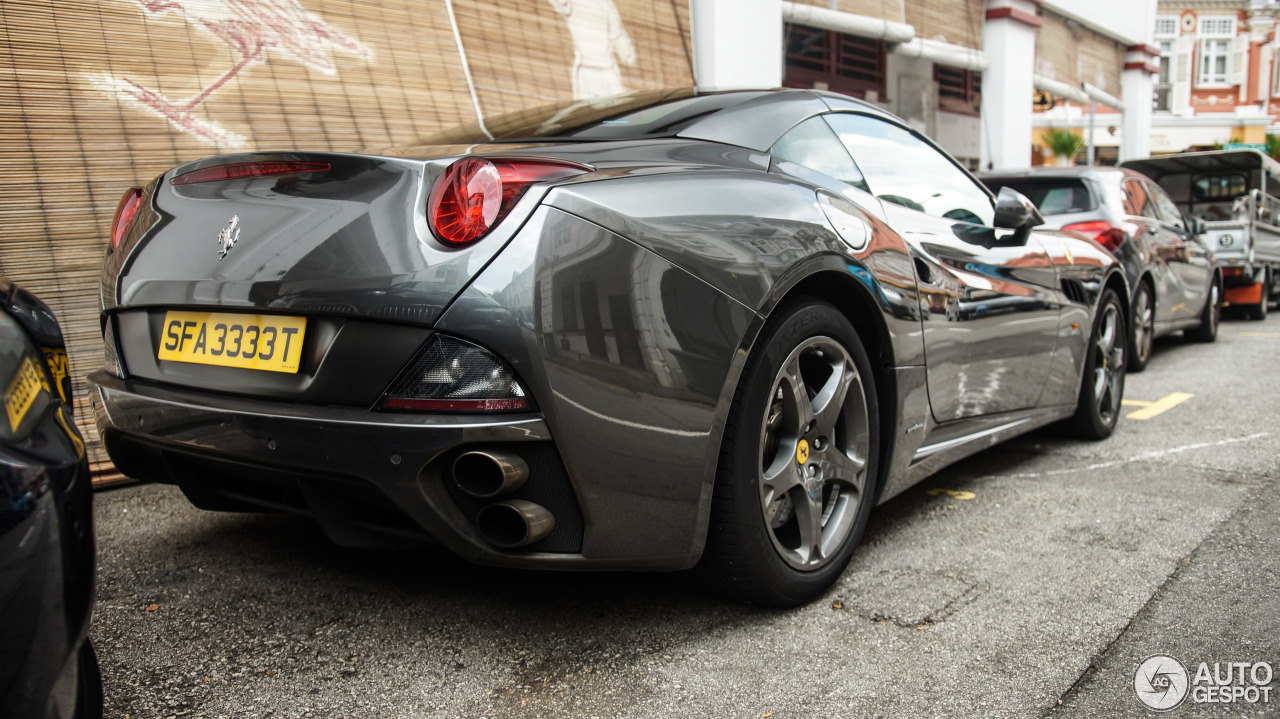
x=1175 y=280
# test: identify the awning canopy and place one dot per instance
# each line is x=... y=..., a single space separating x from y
x=1203 y=163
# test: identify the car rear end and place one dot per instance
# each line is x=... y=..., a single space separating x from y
x=1083 y=200
x=270 y=330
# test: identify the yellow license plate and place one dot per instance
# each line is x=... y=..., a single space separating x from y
x=262 y=342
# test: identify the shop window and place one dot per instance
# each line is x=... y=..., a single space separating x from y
x=959 y=90
x=829 y=60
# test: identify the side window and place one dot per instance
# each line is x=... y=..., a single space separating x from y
x=1137 y=200
x=812 y=144
x=905 y=170
x=1169 y=212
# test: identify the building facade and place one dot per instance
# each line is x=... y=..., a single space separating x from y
x=1215 y=80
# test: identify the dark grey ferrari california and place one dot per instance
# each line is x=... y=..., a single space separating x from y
x=643 y=332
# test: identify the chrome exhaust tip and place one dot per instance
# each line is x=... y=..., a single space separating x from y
x=514 y=523
x=489 y=473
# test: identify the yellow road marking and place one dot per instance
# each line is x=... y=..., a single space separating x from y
x=1259 y=334
x=1160 y=406
x=956 y=493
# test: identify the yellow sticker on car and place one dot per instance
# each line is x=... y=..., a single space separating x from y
x=260 y=342
x=27 y=384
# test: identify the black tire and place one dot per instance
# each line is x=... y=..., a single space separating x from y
x=1142 y=339
x=766 y=544
x=1209 y=318
x=1102 y=383
x=89 y=691
x=1258 y=312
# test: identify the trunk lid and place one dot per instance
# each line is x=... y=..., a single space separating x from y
x=350 y=240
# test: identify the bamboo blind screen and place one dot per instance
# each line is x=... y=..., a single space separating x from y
x=100 y=95
x=1072 y=53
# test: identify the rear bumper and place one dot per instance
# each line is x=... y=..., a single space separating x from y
x=369 y=479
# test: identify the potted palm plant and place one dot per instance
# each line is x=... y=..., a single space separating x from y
x=1064 y=144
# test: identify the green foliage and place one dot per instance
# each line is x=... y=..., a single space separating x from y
x=1273 y=146
x=1062 y=142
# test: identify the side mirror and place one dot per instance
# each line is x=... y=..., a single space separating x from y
x=1195 y=225
x=1015 y=212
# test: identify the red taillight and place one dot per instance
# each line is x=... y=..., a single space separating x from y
x=245 y=170
x=476 y=193
x=125 y=212
x=1107 y=234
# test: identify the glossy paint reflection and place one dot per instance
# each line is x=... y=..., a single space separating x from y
x=991 y=314
x=627 y=354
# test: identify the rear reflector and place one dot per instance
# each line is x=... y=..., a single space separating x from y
x=125 y=212
x=245 y=170
x=451 y=375
x=1105 y=233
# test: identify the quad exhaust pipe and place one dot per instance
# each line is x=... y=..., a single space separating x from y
x=486 y=474
x=514 y=523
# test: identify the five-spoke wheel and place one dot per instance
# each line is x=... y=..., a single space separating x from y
x=1144 y=328
x=798 y=463
x=1102 y=385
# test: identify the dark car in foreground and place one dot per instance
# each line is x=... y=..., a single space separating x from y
x=47 y=665
x=1175 y=280
x=644 y=332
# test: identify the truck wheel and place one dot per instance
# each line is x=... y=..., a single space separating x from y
x=1259 y=311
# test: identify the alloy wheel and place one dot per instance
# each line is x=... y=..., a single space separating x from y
x=1108 y=364
x=814 y=445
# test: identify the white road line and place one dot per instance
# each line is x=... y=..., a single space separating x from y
x=1140 y=458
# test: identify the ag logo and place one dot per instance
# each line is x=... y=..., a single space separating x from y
x=802 y=451
x=1161 y=682
x=1226 y=241
x=228 y=236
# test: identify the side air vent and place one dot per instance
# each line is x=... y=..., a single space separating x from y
x=1074 y=290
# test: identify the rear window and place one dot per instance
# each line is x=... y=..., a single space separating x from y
x=654 y=113
x=1052 y=196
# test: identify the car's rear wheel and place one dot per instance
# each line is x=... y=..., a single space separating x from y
x=1102 y=386
x=1144 y=328
x=1209 y=316
x=798 y=463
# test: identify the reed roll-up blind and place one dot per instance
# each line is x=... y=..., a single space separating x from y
x=100 y=95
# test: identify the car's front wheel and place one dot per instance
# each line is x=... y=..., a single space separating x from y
x=1102 y=384
x=798 y=463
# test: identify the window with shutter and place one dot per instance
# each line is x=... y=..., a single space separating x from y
x=1217 y=66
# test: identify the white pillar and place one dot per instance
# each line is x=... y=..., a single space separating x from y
x=737 y=43
x=1137 y=86
x=1009 y=39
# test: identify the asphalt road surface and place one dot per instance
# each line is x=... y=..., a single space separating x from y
x=1030 y=580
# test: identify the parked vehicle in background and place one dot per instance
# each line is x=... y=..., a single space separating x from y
x=636 y=332
x=47 y=665
x=1174 y=278
x=1237 y=194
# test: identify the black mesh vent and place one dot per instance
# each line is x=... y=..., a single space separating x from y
x=1073 y=290
x=548 y=486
